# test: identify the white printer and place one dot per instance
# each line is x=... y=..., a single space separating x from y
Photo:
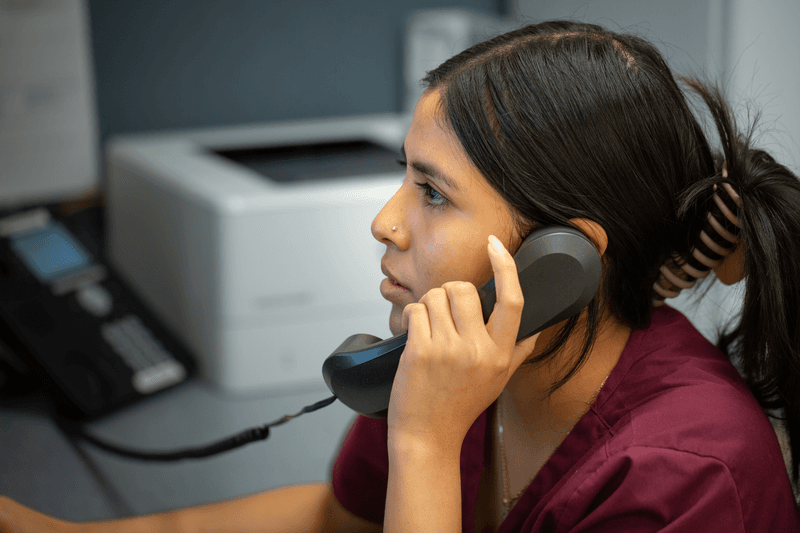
x=253 y=243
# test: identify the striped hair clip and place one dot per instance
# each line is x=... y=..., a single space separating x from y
x=717 y=240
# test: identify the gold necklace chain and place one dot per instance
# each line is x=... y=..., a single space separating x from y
x=509 y=502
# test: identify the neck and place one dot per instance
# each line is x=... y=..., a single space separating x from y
x=551 y=417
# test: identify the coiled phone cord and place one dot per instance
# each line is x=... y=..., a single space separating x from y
x=245 y=437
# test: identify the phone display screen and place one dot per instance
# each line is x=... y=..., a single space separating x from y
x=51 y=252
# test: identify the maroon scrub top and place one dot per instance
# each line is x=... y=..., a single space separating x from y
x=674 y=442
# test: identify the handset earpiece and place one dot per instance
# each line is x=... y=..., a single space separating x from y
x=559 y=272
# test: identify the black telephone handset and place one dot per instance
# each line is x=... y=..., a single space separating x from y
x=559 y=272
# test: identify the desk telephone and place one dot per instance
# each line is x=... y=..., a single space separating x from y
x=97 y=344
x=67 y=316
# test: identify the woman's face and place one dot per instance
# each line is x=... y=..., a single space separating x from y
x=443 y=213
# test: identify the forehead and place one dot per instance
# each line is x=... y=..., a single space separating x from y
x=429 y=121
x=432 y=141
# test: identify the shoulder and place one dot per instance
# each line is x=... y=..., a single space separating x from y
x=702 y=454
x=360 y=472
x=686 y=440
x=673 y=463
x=677 y=391
x=652 y=487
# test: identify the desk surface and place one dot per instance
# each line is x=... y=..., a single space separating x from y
x=40 y=468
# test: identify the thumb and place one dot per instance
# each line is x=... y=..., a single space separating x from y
x=523 y=349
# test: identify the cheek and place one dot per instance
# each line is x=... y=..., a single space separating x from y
x=479 y=270
x=463 y=260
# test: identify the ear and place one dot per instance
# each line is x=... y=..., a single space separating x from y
x=594 y=231
x=731 y=270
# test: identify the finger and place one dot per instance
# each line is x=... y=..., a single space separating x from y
x=416 y=322
x=503 y=325
x=523 y=350
x=465 y=307
x=437 y=303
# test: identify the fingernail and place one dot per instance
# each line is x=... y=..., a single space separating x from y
x=497 y=245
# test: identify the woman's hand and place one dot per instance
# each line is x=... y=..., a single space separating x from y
x=16 y=518
x=454 y=366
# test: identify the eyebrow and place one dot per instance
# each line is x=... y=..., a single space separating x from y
x=429 y=170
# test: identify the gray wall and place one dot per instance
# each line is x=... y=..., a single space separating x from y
x=194 y=63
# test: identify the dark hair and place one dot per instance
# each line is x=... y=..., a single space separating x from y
x=569 y=120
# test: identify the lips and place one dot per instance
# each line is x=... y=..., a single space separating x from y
x=393 y=280
x=398 y=284
x=391 y=288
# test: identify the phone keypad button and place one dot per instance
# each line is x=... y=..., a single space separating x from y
x=158 y=377
x=95 y=299
x=153 y=367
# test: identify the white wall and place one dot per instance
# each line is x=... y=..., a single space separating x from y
x=48 y=130
x=754 y=46
x=764 y=64
x=681 y=29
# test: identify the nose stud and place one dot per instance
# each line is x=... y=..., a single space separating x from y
x=394 y=228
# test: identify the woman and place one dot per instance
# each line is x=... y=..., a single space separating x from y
x=622 y=418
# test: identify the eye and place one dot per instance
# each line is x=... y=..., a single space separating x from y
x=432 y=196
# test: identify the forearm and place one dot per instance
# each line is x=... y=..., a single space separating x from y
x=297 y=508
x=18 y=518
x=161 y=523
x=424 y=490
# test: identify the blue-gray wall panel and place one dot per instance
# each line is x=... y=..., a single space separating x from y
x=194 y=63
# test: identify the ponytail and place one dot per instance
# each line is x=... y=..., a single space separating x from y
x=765 y=344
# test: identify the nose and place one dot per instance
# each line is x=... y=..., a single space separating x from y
x=390 y=224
